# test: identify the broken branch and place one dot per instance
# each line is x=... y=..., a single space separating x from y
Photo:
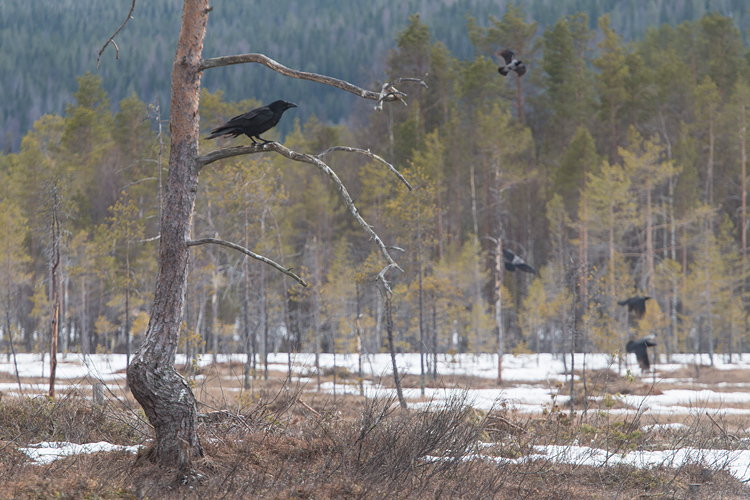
x=112 y=38
x=387 y=93
x=249 y=253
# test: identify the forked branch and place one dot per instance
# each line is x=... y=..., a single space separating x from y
x=320 y=164
x=249 y=253
x=372 y=155
x=112 y=38
x=387 y=93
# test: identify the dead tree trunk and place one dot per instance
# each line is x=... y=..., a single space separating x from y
x=163 y=393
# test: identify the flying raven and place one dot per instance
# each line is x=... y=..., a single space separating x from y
x=513 y=262
x=253 y=123
x=640 y=348
x=511 y=64
x=635 y=304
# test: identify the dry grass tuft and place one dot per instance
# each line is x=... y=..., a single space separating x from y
x=289 y=444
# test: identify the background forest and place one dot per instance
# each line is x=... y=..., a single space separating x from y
x=612 y=167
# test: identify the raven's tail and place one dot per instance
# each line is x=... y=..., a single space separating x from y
x=220 y=131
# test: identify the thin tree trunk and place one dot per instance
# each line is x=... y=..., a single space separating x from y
x=164 y=394
x=743 y=216
x=709 y=316
x=434 y=340
x=478 y=305
x=421 y=297
x=392 y=348
x=127 y=304
x=264 y=300
x=287 y=320
x=710 y=167
x=360 y=375
x=316 y=310
x=55 y=296
x=671 y=346
x=499 y=307
x=573 y=357
x=7 y=306
x=650 y=243
x=246 y=308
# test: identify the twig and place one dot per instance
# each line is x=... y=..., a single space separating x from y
x=112 y=38
x=153 y=238
x=367 y=152
x=392 y=95
x=308 y=407
x=220 y=154
x=216 y=241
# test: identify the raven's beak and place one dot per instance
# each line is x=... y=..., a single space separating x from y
x=290 y=105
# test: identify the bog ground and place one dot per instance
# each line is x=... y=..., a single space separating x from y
x=686 y=423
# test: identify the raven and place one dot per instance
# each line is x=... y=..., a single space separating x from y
x=511 y=64
x=640 y=348
x=253 y=123
x=635 y=304
x=513 y=262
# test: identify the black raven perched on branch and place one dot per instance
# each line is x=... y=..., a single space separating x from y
x=253 y=123
x=511 y=64
x=640 y=349
x=513 y=262
x=635 y=304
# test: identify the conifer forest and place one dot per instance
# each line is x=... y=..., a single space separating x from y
x=615 y=167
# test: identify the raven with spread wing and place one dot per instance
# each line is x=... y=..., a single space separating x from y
x=513 y=262
x=253 y=123
x=640 y=349
x=635 y=305
x=511 y=64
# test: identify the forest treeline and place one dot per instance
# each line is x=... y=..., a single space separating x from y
x=612 y=168
x=47 y=44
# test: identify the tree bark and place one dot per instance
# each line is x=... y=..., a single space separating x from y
x=392 y=347
x=163 y=393
x=499 y=307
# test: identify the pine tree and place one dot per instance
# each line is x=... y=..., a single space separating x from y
x=611 y=82
x=510 y=32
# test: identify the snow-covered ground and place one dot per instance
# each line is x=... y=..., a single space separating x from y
x=535 y=376
x=737 y=462
x=529 y=386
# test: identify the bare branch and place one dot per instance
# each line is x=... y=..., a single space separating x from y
x=219 y=154
x=381 y=276
x=367 y=152
x=390 y=93
x=215 y=241
x=383 y=95
x=112 y=38
x=153 y=238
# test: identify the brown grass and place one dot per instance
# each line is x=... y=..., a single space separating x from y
x=283 y=443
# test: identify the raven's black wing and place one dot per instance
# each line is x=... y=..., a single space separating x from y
x=641 y=353
x=513 y=262
x=250 y=123
x=508 y=55
x=260 y=119
x=635 y=305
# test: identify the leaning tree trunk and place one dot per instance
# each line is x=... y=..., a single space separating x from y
x=163 y=393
